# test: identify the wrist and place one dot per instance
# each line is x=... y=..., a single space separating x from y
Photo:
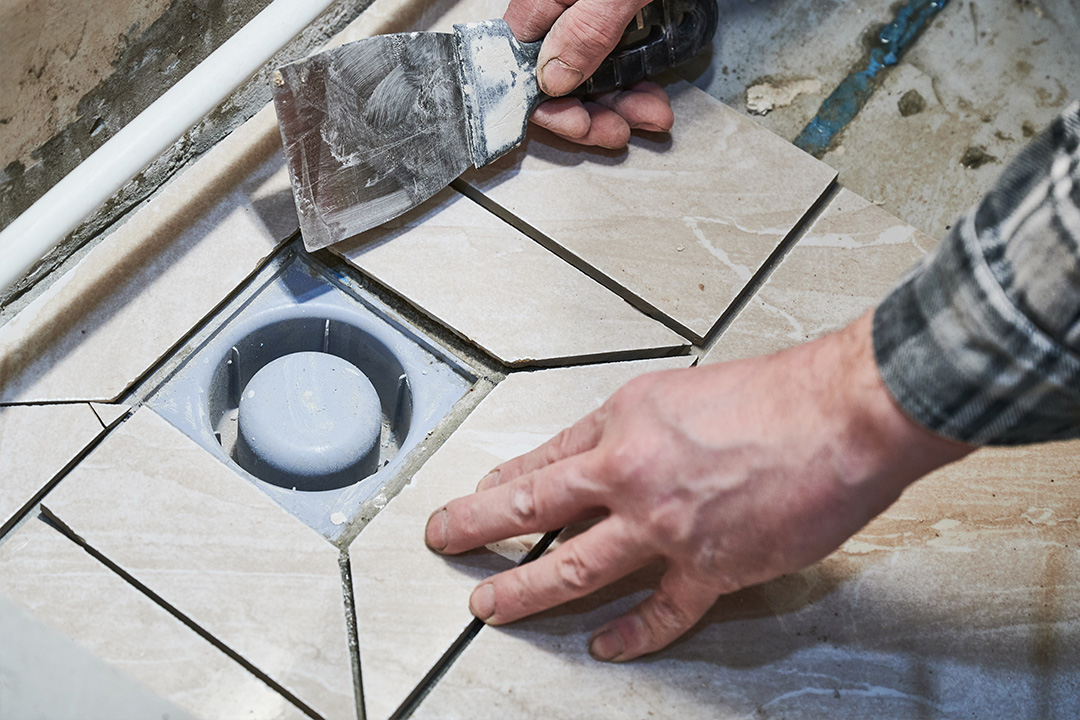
x=881 y=450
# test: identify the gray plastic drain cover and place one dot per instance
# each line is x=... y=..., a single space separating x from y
x=309 y=417
x=312 y=390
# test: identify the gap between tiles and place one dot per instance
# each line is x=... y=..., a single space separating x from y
x=637 y=302
x=27 y=511
x=354 y=638
x=765 y=271
x=439 y=669
x=50 y=519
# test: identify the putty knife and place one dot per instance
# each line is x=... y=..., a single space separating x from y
x=373 y=128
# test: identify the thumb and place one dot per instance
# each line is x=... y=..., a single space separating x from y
x=579 y=41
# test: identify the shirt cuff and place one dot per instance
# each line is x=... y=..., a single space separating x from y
x=979 y=342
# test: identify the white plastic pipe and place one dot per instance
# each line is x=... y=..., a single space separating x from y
x=59 y=211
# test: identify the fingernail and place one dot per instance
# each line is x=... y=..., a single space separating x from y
x=648 y=126
x=488 y=480
x=482 y=601
x=557 y=78
x=435 y=535
x=606 y=646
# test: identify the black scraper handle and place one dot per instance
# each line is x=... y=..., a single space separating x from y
x=671 y=32
x=664 y=34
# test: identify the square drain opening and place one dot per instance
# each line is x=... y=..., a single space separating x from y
x=310 y=390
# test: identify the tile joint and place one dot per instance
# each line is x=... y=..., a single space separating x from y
x=27 y=509
x=442 y=665
x=56 y=523
x=354 y=640
x=579 y=264
x=761 y=277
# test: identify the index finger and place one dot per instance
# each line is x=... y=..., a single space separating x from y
x=547 y=499
x=580 y=437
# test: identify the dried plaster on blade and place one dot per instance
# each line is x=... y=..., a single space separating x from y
x=499 y=88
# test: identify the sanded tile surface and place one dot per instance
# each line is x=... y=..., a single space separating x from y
x=844 y=264
x=108 y=633
x=681 y=221
x=497 y=288
x=36 y=442
x=219 y=550
x=103 y=324
x=411 y=603
x=962 y=600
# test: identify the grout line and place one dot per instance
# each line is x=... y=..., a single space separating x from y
x=461 y=349
x=27 y=509
x=354 y=639
x=434 y=675
x=53 y=403
x=604 y=358
x=761 y=277
x=137 y=390
x=49 y=517
x=114 y=423
x=578 y=263
x=396 y=300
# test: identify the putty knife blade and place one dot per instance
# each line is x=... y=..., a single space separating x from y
x=371 y=129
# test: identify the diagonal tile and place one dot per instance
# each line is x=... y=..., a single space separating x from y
x=116 y=652
x=36 y=442
x=681 y=222
x=848 y=259
x=411 y=604
x=962 y=600
x=103 y=324
x=220 y=551
x=497 y=288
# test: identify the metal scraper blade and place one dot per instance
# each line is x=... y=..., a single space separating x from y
x=370 y=129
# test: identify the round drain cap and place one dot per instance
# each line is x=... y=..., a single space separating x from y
x=309 y=420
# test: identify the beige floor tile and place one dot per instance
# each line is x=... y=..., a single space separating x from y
x=106 y=631
x=844 y=264
x=411 y=604
x=681 y=221
x=36 y=442
x=220 y=551
x=497 y=288
x=963 y=599
x=103 y=324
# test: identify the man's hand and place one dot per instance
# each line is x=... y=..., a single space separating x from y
x=582 y=33
x=731 y=474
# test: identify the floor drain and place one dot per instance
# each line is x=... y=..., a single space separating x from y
x=311 y=390
x=309 y=419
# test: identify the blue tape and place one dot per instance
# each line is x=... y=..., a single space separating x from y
x=845 y=102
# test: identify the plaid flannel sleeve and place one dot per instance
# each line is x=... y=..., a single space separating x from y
x=981 y=341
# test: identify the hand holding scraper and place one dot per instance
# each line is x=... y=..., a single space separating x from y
x=373 y=128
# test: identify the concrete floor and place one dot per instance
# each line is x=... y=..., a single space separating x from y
x=990 y=73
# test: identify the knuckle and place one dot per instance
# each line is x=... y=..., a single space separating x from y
x=668 y=618
x=575 y=572
x=523 y=501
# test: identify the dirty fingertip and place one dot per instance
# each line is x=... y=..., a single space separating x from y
x=607 y=645
x=556 y=77
x=482 y=601
x=436 y=534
